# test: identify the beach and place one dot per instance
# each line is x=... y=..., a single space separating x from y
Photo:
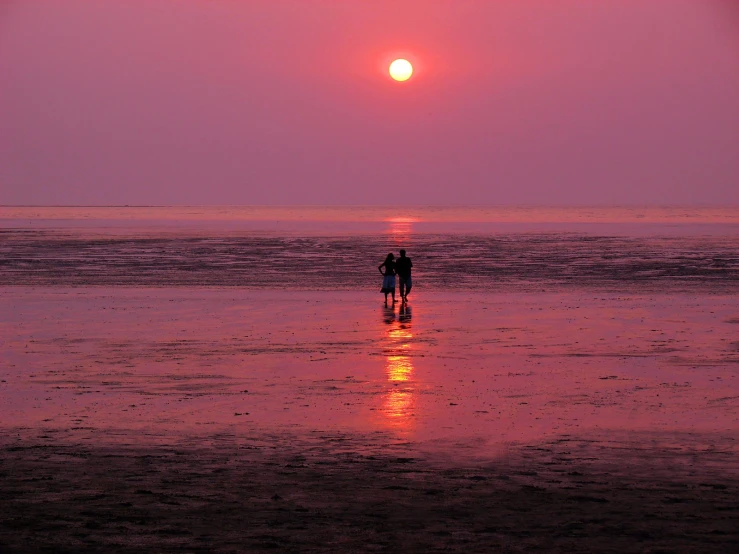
x=157 y=397
x=515 y=421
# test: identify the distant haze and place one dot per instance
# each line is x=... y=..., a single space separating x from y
x=288 y=102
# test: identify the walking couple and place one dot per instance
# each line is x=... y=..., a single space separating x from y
x=400 y=267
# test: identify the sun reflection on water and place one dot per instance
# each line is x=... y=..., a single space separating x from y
x=400 y=228
x=398 y=406
x=399 y=368
x=399 y=402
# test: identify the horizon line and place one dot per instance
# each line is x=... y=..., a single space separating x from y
x=452 y=206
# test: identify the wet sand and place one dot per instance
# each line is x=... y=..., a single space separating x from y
x=229 y=420
x=351 y=493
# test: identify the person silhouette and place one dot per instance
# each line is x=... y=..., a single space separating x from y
x=403 y=267
x=388 y=281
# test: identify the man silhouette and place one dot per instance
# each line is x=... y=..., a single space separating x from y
x=403 y=267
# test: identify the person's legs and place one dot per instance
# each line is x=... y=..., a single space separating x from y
x=408 y=285
x=402 y=287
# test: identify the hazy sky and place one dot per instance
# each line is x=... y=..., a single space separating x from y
x=288 y=102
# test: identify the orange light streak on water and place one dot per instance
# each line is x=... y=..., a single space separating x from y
x=399 y=402
x=401 y=229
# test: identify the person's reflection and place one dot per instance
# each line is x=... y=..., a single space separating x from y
x=405 y=315
x=388 y=314
x=399 y=401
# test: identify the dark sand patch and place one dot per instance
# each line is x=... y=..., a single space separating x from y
x=349 y=493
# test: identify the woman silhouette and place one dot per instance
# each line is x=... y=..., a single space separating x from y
x=388 y=281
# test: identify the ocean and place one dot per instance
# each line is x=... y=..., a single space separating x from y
x=339 y=248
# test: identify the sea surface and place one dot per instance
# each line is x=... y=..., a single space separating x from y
x=339 y=248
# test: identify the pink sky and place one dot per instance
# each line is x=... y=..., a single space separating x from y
x=288 y=102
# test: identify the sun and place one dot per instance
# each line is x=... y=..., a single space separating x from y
x=401 y=70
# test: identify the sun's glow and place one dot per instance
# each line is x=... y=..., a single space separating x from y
x=401 y=70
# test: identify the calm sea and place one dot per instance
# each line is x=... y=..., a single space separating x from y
x=329 y=248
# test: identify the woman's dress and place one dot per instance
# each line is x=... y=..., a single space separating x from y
x=388 y=281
